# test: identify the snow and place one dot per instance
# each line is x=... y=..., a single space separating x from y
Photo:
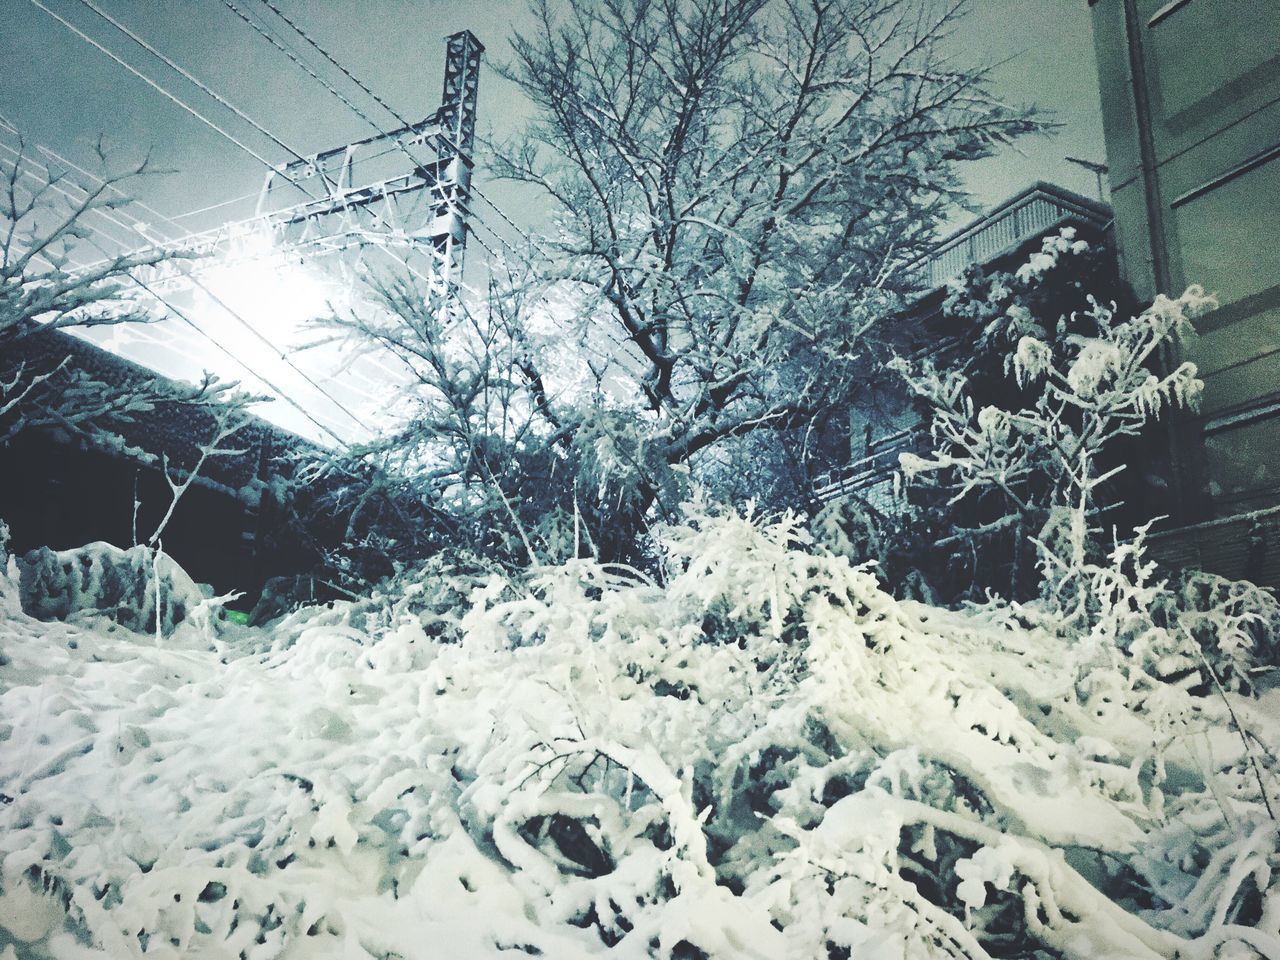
x=764 y=755
x=104 y=579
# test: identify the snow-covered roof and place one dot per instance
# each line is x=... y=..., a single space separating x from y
x=171 y=428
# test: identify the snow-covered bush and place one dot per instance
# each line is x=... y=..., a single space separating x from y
x=1081 y=385
x=1035 y=455
x=135 y=587
x=762 y=754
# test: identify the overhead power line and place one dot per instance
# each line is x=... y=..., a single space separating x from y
x=129 y=230
x=72 y=165
x=333 y=60
x=247 y=19
x=350 y=75
x=187 y=214
x=266 y=35
x=293 y=25
x=156 y=86
x=191 y=78
x=181 y=315
x=499 y=211
x=528 y=237
x=281 y=393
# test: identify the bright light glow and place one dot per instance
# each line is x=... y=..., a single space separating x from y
x=283 y=300
x=255 y=287
x=278 y=294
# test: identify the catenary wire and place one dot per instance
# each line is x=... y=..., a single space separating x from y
x=242 y=15
x=400 y=119
x=266 y=341
x=261 y=159
x=281 y=393
x=191 y=78
x=301 y=64
x=349 y=75
x=333 y=60
x=156 y=86
x=188 y=214
x=404 y=122
x=191 y=323
x=360 y=114
x=230 y=354
x=295 y=59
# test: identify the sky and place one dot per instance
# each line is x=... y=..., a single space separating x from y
x=62 y=93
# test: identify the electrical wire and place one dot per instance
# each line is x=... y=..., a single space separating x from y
x=266 y=35
x=188 y=214
x=474 y=219
x=184 y=237
x=333 y=60
x=511 y=223
x=484 y=246
x=72 y=165
x=359 y=83
x=242 y=15
x=156 y=86
x=352 y=77
x=281 y=393
x=191 y=323
x=240 y=319
x=193 y=79
x=329 y=87
x=221 y=100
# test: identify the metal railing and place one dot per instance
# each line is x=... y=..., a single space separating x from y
x=1033 y=212
x=876 y=469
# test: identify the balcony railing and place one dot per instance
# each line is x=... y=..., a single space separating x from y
x=871 y=478
x=1034 y=212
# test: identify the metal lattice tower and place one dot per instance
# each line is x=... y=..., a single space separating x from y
x=457 y=115
x=406 y=188
x=457 y=120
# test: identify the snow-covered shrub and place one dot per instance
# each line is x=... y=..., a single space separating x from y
x=763 y=754
x=849 y=526
x=133 y=587
x=1035 y=455
x=1235 y=624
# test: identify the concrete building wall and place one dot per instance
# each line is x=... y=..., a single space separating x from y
x=1191 y=111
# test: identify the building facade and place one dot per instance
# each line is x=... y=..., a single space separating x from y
x=60 y=489
x=1191 y=113
x=886 y=424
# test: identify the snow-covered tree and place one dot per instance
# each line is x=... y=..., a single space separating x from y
x=732 y=186
x=45 y=223
x=467 y=460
